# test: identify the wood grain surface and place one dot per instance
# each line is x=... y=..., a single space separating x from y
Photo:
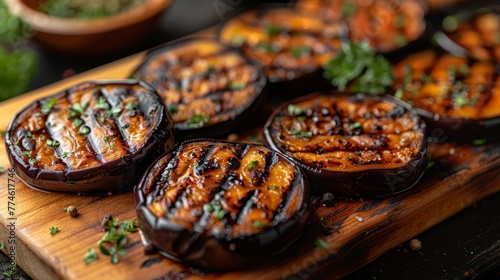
x=356 y=231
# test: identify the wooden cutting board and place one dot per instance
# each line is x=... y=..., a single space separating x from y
x=356 y=232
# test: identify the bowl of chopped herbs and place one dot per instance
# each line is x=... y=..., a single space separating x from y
x=89 y=27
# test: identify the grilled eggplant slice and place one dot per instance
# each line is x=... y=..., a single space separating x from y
x=208 y=87
x=388 y=25
x=221 y=205
x=92 y=138
x=474 y=33
x=291 y=45
x=351 y=145
x=458 y=98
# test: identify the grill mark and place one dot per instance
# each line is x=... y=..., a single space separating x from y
x=252 y=199
x=241 y=150
x=286 y=199
x=270 y=160
x=183 y=60
x=203 y=164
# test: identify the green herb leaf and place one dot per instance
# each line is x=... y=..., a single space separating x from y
x=197 y=121
x=273 y=30
x=102 y=103
x=84 y=130
x=295 y=110
x=299 y=51
x=112 y=113
x=52 y=143
x=252 y=165
x=90 y=256
x=78 y=109
x=358 y=152
x=321 y=244
x=358 y=64
x=77 y=122
x=479 y=142
x=208 y=207
x=54 y=230
x=348 y=9
x=355 y=125
x=236 y=86
x=64 y=155
x=307 y=134
x=2 y=244
x=48 y=105
x=219 y=213
x=173 y=109
x=258 y=224
x=300 y=118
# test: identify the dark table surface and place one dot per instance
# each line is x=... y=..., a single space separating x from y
x=465 y=246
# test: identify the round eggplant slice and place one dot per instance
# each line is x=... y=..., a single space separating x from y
x=209 y=88
x=388 y=25
x=474 y=33
x=351 y=145
x=92 y=138
x=458 y=98
x=221 y=205
x=291 y=45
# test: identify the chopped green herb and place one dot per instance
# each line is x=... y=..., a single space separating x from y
x=236 y=86
x=173 y=109
x=90 y=256
x=295 y=110
x=113 y=241
x=28 y=133
x=273 y=30
x=464 y=70
x=359 y=65
x=219 y=213
x=77 y=122
x=197 y=120
x=2 y=169
x=349 y=157
x=77 y=109
x=258 y=224
x=132 y=107
x=32 y=160
x=300 y=118
x=211 y=69
x=129 y=226
x=112 y=147
x=64 y=155
x=299 y=51
x=102 y=103
x=238 y=40
x=208 y=207
x=355 y=125
x=400 y=40
x=101 y=119
x=307 y=134
x=52 y=143
x=479 y=142
x=2 y=245
x=10 y=269
x=296 y=131
x=48 y=105
x=114 y=112
x=54 y=230
x=252 y=164
x=267 y=47
x=450 y=23
x=426 y=79
x=321 y=244
x=276 y=188
x=348 y=9
x=399 y=21
x=399 y=93
x=430 y=164
x=358 y=152
x=84 y=130
x=459 y=100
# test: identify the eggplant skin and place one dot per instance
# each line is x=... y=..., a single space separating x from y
x=458 y=97
x=210 y=88
x=351 y=145
x=264 y=199
x=117 y=129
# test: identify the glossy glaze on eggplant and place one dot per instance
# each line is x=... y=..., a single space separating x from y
x=94 y=137
x=289 y=43
x=386 y=24
x=351 y=145
x=221 y=205
x=207 y=86
x=478 y=34
x=454 y=93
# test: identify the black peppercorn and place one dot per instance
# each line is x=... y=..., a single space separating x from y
x=328 y=199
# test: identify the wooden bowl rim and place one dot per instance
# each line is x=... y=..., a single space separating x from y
x=70 y=26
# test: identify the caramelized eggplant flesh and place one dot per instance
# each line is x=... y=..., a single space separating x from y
x=290 y=44
x=477 y=34
x=387 y=25
x=207 y=86
x=456 y=95
x=221 y=205
x=351 y=145
x=94 y=137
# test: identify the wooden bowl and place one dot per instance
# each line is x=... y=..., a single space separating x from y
x=90 y=37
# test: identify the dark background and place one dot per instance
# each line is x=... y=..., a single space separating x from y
x=466 y=246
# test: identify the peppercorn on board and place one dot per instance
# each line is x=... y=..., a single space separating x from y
x=339 y=238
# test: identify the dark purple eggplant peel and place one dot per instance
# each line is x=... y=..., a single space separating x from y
x=95 y=137
x=221 y=205
x=209 y=88
x=351 y=145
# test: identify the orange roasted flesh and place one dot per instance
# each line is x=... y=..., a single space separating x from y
x=337 y=138
x=206 y=197
x=289 y=43
x=88 y=129
x=479 y=35
x=386 y=24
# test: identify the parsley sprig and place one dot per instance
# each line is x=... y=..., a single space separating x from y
x=360 y=67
